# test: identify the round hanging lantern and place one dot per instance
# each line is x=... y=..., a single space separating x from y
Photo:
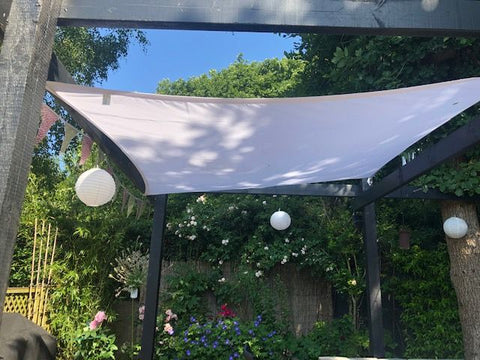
x=455 y=227
x=95 y=187
x=280 y=220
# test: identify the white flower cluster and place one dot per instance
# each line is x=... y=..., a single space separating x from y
x=202 y=199
x=304 y=249
x=258 y=273
x=284 y=260
x=352 y=282
x=192 y=222
x=225 y=242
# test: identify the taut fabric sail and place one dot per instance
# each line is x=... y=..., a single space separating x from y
x=189 y=144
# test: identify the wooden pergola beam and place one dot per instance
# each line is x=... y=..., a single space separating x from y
x=24 y=59
x=376 y=17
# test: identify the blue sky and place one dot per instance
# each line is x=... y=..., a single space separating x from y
x=177 y=54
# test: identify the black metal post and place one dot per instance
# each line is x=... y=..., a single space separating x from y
x=153 y=278
x=374 y=293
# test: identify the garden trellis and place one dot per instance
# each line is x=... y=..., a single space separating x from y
x=23 y=71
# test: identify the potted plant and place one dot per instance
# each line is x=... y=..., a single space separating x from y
x=131 y=271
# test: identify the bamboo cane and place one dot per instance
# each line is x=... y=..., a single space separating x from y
x=44 y=322
x=36 y=299
x=32 y=271
x=42 y=287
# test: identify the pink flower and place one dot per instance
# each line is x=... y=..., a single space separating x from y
x=170 y=315
x=141 y=312
x=100 y=316
x=93 y=325
x=168 y=329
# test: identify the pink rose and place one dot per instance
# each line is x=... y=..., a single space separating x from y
x=141 y=312
x=100 y=316
x=170 y=315
x=168 y=329
x=93 y=325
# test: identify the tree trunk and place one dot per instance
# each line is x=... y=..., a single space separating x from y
x=465 y=273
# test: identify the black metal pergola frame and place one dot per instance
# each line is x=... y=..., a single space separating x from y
x=26 y=58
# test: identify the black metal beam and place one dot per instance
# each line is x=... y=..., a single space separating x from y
x=374 y=293
x=153 y=278
x=458 y=142
x=344 y=190
x=394 y=17
x=326 y=189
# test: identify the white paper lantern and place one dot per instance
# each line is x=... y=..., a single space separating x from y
x=280 y=220
x=95 y=187
x=455 y=227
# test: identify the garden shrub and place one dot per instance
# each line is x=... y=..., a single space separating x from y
x=223 y=337
x=95 y=344
x=429 y=317
x=336 y=338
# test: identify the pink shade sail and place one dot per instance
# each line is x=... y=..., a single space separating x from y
x=191 y=144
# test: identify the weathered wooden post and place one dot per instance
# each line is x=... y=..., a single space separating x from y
x=24 y=59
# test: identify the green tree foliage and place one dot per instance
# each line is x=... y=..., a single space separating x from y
x=421 y=306
x=90 y=53
x=270 y=78
x=344 y=64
